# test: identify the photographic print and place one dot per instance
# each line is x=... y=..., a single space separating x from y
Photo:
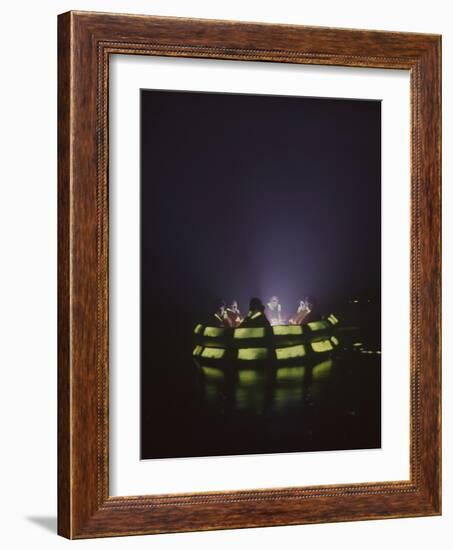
x=260 y=274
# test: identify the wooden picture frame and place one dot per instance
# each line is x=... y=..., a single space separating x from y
x=85 y=42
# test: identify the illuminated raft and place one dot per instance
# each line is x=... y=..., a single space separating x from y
x=279 y=346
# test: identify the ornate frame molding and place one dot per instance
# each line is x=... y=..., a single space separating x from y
x=86 y=40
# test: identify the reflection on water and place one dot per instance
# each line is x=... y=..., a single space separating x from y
x=317 y=393
x=252 y=395
x=286 y=396
x=264 y=389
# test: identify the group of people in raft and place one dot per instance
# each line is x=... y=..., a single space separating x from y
x=260 y=315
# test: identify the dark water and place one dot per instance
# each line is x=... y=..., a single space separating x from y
x=330 y=402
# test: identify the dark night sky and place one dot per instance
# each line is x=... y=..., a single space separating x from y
x=246 y=195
